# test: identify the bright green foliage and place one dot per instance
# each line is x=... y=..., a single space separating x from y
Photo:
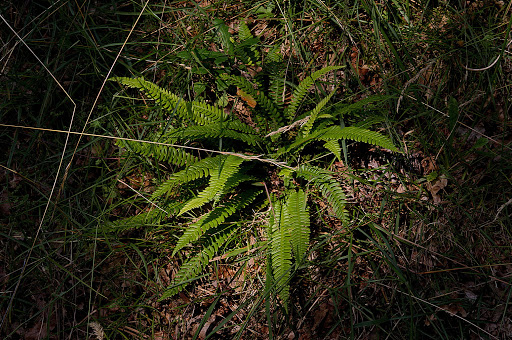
x=329 y=187
x=356 y=134
x=200 y=112
x=338 y=133
x=298 y=220
x=306 y=128
x=334 y=147
x=217 y=130
x=289 y=235
x=215 y=217
x=173 y=155
x=193 y=267
x=192 y=172
x=223 y=182
x=302 y=89
x=227 y=167
x=281 y=250
x=244 y=33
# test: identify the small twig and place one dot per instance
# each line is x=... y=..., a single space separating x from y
x=289 y=127
x=487 y=67
x=249 y=157
x=410 y=81
x=465 y=125
x=141 y=195
x=439 y=308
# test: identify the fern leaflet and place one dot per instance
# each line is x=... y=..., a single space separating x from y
x=280 y=244
x=204 y=113
x=215 y=217
x=165 y=153
x=337 y=132
x=306 y=128
x=302 y=89
x=297 y=218
x=334 y=147
x=195 y=171
x=195 y=266
x=357 y=134
x=244 y=33
x=344 y=108
x=200 y=112
x=214 y=130
x=218 y=178
x=152 y=217
x=329 y=187
x=166 y=99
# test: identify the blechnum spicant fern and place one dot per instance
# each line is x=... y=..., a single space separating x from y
x=228 y=180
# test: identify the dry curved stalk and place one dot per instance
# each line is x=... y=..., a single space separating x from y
x=487 y=67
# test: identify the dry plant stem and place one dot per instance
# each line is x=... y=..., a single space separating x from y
x=68 y=133
x=465 y=268
x=487 y=67
x=25 y=261
x=410 y=81
x=248 y=157
x=440 y=255
x=141 y=195
x=439 y=308
x=289 y=127
x=465 y=125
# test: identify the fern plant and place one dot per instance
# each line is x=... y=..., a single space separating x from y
x=227 y=176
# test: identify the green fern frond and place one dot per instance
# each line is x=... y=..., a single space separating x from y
x=162 y=153
x=215 y=130
x=343 y=109
x=306 y=128
x=224 y=35
x=192 y=268
x=270 y=108
x=357 y=134
x=329 y=187
x=336 y=133
x=302 y=89
x=153 y=217
x=299 y=142
x=281 y=251
x=198 y=111
x=215 y=217
x=218 y=178
x=169 y=101
x=204 y=113
x=247 y=52
x=334 y=147
x=195 y=171
x=297 y=218
x=274 y=55
x=277 y=88
x=237 y=125
x=137 y=221
x=235 y=181
x=244 y=32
